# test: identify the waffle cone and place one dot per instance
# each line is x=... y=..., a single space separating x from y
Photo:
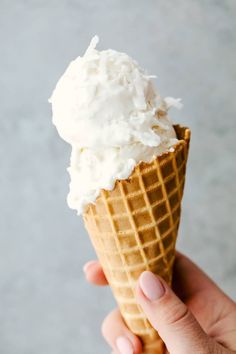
x=134 y=228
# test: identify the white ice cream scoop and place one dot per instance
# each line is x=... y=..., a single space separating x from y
x=107 y=108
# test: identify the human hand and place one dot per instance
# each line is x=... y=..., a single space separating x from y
x=194 y=317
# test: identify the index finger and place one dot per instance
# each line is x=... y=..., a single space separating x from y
x=94 y=273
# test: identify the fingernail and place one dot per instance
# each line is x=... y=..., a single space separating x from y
x=87 y=265
x=151 y=286
x=124 y=345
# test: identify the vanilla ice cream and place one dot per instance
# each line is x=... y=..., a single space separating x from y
x=107 y=108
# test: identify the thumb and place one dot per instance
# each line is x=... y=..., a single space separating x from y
x=174 y=322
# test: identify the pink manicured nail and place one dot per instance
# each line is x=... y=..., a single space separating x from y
x=124 y=345
x=151 y=286
x=87 y=265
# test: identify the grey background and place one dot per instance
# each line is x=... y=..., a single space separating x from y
x=46 y=307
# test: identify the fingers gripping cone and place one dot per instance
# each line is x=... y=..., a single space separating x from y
x=134 y=228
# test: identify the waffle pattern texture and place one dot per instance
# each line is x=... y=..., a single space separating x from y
x=134 y=228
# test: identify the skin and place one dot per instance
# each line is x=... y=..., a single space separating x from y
x=195 y=317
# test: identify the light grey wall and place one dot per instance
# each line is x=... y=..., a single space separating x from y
x=46 y=307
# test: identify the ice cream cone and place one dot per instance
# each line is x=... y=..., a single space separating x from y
x=134 y=228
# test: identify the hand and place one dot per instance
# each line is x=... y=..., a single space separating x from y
x=194 y=317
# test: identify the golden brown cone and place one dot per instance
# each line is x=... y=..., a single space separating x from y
x=134 y=228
